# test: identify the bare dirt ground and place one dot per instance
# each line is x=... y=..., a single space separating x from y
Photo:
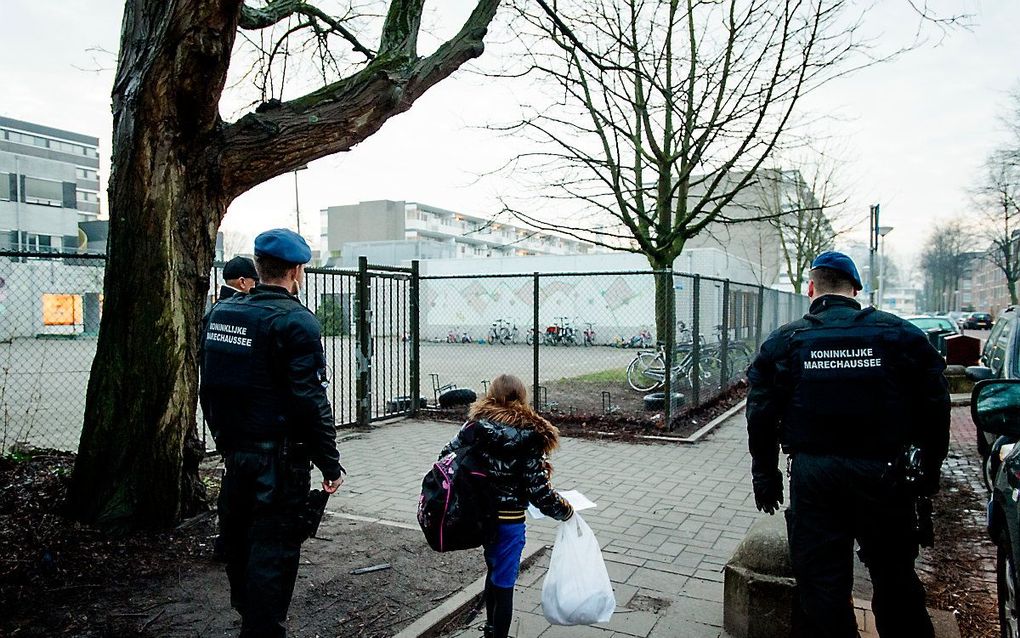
x=959 y=572
x=620 y=425
x=61 y=578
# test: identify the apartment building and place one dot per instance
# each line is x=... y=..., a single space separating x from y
x=49 y=181
x=389 y=232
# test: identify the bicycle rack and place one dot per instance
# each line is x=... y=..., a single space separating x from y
x=607 y=403
x=438 y=389
x=485 y=386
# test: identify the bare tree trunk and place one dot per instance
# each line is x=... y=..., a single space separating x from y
x=176 y=168
x=138 y=458
x=1011 y=284
x=665 y=299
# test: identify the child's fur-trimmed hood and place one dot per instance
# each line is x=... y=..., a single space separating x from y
x=517 y=415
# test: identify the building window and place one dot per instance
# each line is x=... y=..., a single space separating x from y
x=44 y=191
x=88 y=196
x=85 y=173
x=5 y=187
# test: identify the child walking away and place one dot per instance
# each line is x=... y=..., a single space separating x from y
x=513 y=440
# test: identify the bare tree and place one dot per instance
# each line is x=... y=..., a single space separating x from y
x=661 y=112
x=944 y=258
x=177 y=165
x=806 y=213
x=998 y=201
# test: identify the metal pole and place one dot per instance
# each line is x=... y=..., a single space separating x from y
x=881 y=272
x=297 y=203
x=534 y=341
x=414 y=310
x=696 y=347
x=362 y=300
x=18 y=181
x=670 y=312
x=724 y=341
x=760 y=317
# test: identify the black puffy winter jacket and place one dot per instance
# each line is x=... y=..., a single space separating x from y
x=514 y=441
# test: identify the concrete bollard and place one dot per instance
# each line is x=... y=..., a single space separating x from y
x=760 y=594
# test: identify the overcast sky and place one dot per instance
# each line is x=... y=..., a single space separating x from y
x=914 y=131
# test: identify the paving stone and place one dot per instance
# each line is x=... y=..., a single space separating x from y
x=631 y=622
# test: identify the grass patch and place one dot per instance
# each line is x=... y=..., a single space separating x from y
x=616 y=375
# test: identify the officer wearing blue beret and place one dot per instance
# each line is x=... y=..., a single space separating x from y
x=847 y=391
x=263 y=393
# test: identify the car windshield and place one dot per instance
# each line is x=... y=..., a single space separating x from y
x=927 y=323
x=984 y=316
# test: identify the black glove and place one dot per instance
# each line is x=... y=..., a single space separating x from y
x=768 y=491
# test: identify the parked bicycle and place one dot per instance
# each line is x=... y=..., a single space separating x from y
x=647 y=372
x=589 y=334
x=503 y=332
x=453 y=337
x=560 y=334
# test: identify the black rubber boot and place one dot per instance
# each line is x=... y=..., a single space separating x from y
x=502 y=610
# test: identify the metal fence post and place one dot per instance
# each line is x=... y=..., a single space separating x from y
x=362 y=300
x=670 y=311
x=415 y=321
x=696 y=346
x=759 y=318
x=724 y=338
x=535 y=338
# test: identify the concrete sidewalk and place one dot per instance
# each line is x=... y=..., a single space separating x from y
x=668 y=518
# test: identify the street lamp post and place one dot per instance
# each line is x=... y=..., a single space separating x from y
x=882 y=232
x=297 y=202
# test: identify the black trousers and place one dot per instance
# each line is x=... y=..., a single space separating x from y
x=834 y=501
x=259 y=504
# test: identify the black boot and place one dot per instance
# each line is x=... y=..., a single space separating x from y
x=502 y=610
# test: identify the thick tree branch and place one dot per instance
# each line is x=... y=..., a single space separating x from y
x=280 y=136
x=275 y=12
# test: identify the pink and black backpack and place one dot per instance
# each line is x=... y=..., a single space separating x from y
x=455 y=509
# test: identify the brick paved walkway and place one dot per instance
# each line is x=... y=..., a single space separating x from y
x=668 y=517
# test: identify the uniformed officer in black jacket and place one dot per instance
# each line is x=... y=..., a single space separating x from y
x=239 y=277
x=846 y=391
x=265 y=347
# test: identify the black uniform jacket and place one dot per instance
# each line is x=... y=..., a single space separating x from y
x=514 y=441
x=848 y=382
x=226 y=292
x=264 y=377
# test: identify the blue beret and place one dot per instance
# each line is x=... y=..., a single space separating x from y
x=841 y=263
x=285 y=245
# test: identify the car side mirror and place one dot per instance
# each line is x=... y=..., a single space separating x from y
x=979 y=373
x=995 y=407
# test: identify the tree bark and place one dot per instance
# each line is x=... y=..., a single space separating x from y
x=665 y=299
x=176 y=168
x=139 y=452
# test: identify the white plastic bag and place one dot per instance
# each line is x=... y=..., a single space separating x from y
x=577 y=590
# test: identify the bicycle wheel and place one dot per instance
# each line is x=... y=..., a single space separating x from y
x=646 y=372
x=709 y=369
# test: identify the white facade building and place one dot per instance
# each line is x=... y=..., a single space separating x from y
x=411 y=230
x=49 y=181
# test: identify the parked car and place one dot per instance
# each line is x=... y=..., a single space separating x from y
x=960 y=317
x=995 y=407
x=978 y=321
x=926 y=323
x=1000 y=359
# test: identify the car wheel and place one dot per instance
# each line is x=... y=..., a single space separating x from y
x=1005 y=571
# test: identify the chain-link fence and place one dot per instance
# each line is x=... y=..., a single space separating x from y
x=596 y=343
x=49 y=319
x=586 y=343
